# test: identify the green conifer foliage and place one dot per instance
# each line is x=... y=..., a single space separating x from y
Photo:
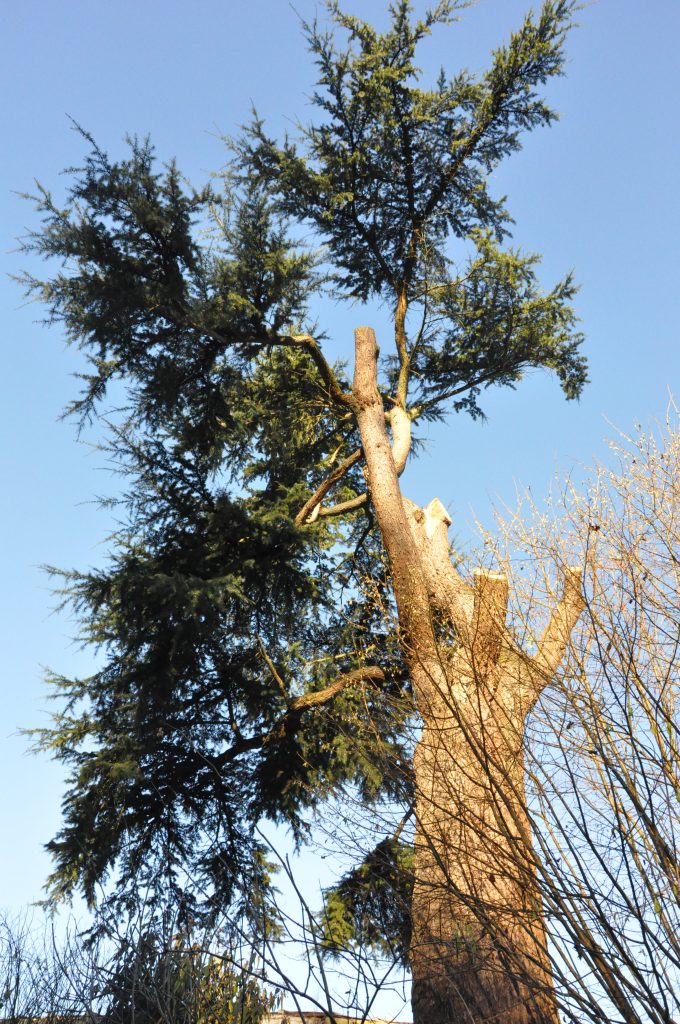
x=249 y=666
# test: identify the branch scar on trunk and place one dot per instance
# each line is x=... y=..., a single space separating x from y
x=489 y=612
x=449 y=594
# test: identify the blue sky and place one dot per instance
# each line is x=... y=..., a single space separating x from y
x=597 y=193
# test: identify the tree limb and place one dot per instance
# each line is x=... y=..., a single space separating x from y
x=553 y=644
x=319 y=697
x=307 y=342
x=305 y=702
x=272 y=669
x=400 y=425
x=538 y=671
x=345 y=506
x=313 y=503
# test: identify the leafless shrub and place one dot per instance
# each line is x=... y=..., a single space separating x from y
x=603 y=743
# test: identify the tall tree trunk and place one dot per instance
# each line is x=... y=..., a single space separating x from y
x=478 y=950
x=478 y=947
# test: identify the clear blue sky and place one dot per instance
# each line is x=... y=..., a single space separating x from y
x=597 y=193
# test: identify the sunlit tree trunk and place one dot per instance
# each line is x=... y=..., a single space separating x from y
x=478 y=950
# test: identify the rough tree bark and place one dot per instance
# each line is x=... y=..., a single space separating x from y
x=478 y=950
